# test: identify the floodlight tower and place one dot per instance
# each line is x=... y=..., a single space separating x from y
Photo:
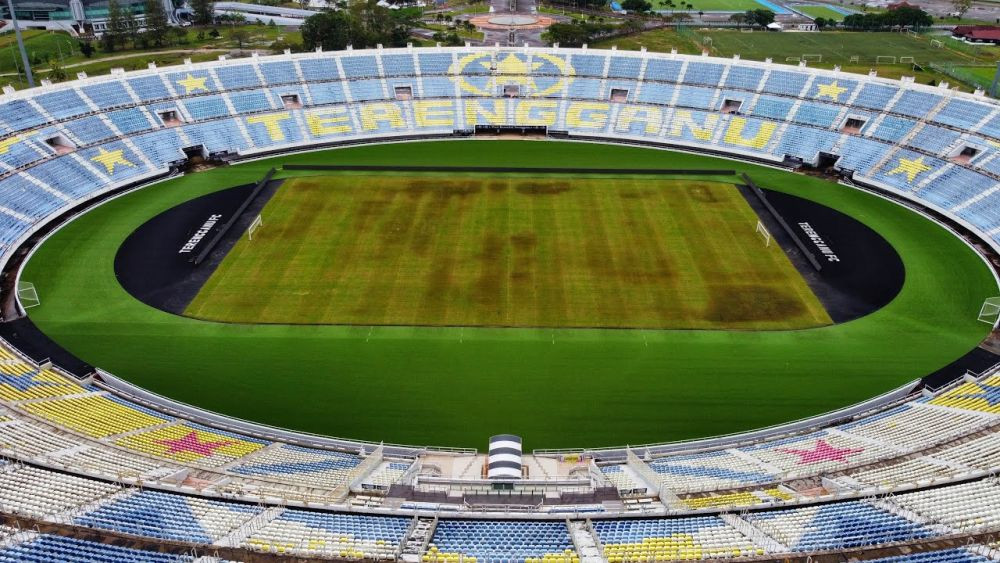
x=20 y=45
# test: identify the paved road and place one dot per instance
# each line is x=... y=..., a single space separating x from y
x=529 y=36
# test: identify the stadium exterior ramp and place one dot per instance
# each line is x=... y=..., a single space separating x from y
x=102 y=457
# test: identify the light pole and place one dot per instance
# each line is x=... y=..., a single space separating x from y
x=20 y=45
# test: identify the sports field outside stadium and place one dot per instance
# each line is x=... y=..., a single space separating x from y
x=556 y=387
x=821 y=11
x=510 y=251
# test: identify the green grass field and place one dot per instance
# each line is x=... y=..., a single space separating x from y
x=819 y=11
x=40 y=45
x=976 y=75
x=509 y=251
x=557 y=388
x=837 y=47
x=711 y=5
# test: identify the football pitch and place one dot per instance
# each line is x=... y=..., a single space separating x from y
x=510 y=252
x=820 y=11
x=836 y=47
x=714 y=5
x=455 y=386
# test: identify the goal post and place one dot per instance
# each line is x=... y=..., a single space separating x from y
x=27 y=295
x=812 y=58
x=762 y=232
x=907 y=60
x=885 y=59
x=256 y=224
x=990 y=312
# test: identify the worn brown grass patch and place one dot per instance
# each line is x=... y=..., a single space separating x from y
x=506 y=251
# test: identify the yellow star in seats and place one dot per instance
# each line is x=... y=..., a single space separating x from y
x=512 y=64
x=193 y=84
x=831 y=90
x=911 y=167
x=516 y=71
x=7 y=143
x=109 y=159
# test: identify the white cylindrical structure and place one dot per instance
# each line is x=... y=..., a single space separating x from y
x=504 y=458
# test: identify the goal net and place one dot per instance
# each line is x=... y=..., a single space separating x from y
x=764 y=234
x=937 y=44
x=812 y=58
x=885 y=59
x=990 y=313
x=27 y=295
x=255 y=225
x=906 y=60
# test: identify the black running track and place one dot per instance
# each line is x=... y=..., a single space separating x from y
x=860 y=272
x=155 y=264
x=866 y=275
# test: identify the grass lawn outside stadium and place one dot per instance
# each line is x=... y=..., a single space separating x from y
x=820 y=11
x=455 y=386
x=715 y=5
x=837 y=48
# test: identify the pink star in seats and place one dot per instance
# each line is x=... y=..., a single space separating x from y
x=823 y=452
x=190 y=443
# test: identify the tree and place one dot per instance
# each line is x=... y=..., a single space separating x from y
x=204 y=11
x=631 y=26
x=130 y=24
x=759 y=18
x=820 y=23
x=961 y=7
x=905 y=17
x=180 y=35
x=445 y=38
x=240 y=36
x=156 y=22
x=363 y=24
x=329 y=30
x=57 y=73
x=114 y=34
x=576 y=33
x=86 y=49
x=739 y=20
x=640 y=6
x=567 y=34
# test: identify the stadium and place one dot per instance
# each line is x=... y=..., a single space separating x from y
x=420 y=304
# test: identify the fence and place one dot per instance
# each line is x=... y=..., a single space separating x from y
x=965 y=74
